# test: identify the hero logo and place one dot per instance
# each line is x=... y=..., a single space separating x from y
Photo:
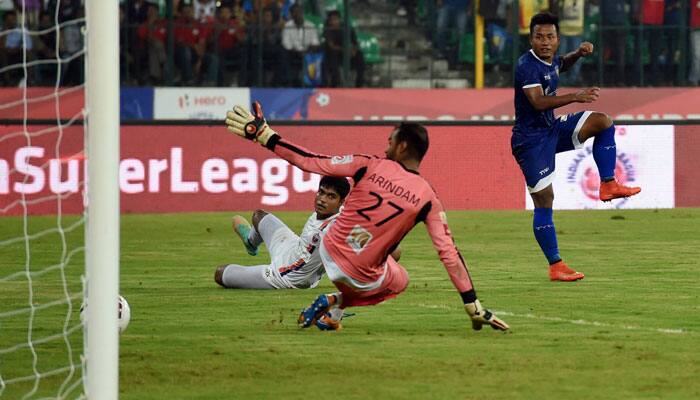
x=583 y=173
x=215 y=175
x=186 y=101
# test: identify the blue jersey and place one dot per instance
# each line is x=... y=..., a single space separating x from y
x=530 y=72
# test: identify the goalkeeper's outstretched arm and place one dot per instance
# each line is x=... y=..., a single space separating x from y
x=252 y=126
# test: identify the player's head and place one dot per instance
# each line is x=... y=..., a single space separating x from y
x=10 y=19
x=544 y=35
x=409 y=141
x=331 y=195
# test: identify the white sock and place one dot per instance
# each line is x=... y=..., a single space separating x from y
x=336 y=313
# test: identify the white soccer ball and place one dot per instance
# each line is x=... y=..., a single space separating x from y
x=124 y=314
x=123 y=317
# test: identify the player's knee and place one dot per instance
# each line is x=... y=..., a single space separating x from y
x=219 y=275
x=602 y=121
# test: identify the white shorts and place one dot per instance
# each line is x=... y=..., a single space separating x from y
x=282 y=245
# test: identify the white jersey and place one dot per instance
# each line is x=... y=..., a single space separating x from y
x=296 y=262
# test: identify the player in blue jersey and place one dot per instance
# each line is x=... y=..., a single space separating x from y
x=538 y=135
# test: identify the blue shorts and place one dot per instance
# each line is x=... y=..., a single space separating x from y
x=535 y=150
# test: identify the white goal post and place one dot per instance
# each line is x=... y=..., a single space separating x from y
x=102 y=231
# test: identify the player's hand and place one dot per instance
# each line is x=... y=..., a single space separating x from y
x=249 y=126
x=481 y=316
x=585 y=49
x=587 y=95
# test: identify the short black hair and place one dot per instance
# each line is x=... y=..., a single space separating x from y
x=416 y=136
x=544 y=18
x=339 y=184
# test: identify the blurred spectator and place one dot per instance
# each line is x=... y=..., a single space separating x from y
x=227 y=48
x=67 y=9
x=238 y=12
x=672 y=20
x=71 y=45
x=333 y=52
x=407 y=8
x=650 y=14
x=204 y=10
x=528 y=8
x=45 y=45
x=190 y=45
x=12 y=45
x=126 y=57
x=571 y=13
x=496 y=17
x=451 y=13
x=694 y=76
x=279 y=9
x=152 y=35
x=137 y=12
x=265 y=39
x=298 y=37
x=615 y=30
x=32 y=8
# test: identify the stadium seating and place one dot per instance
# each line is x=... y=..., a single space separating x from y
x=370 y=48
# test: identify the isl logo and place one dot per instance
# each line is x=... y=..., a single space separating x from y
x=583 y=173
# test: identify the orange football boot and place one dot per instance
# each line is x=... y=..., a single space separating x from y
x=613 y=190
x=561 y=272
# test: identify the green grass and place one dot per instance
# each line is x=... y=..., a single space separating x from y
x=630 y=330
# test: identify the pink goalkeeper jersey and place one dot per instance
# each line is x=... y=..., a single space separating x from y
x=386 y=202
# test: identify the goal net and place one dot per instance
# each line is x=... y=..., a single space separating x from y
x=49 y=241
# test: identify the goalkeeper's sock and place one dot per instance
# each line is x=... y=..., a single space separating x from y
x=546 y=235
x=254 y=237
x=605 y=153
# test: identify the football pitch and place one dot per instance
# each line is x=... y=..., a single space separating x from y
x=629 y=330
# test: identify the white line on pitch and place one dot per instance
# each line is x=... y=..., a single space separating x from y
x=572 y=321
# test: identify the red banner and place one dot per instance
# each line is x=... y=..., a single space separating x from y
x=493 y=104
x=188 y=168
x=178 y=168
x=41 y=103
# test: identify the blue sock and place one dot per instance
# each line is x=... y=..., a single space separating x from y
x=605 y=153
x=543 y=226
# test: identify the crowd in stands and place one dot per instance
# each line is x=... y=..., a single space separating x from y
x=294 y=43
x=237 y=43
x=636 y=38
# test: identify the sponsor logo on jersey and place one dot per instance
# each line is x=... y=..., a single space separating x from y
x=337 y=160
x=358 y=238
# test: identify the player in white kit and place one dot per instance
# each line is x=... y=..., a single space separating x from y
x=295 y=262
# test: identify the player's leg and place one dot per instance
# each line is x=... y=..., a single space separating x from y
x=246 y=233
x=322 y=311
x=234 y=276
x=276 y=235
x=546 y=236
x=586 y=125
x=536 y=161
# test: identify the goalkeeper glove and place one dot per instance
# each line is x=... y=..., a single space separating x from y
x=249 y=126
x=481 y=316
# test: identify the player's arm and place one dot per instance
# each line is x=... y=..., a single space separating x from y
x=535 y=95
x=439 y=231
x=254 y=127
x=584 y=49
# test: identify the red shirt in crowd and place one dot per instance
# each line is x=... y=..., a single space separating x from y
x=695 y=13
x=653 y=12
x=229 y=34
x=190 y=33
x=159 y=31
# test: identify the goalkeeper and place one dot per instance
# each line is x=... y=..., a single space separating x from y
x=388 y=199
